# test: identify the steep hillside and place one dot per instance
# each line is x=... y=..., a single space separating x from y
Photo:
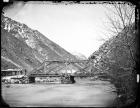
x=117 y=58
x=116 y=50
x=27 y=47
x=8 y=64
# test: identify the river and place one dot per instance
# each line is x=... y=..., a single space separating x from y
x=83 y=93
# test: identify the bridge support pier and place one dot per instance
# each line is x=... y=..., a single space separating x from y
x=72 y=79
x=67 y=79
x=31 y=79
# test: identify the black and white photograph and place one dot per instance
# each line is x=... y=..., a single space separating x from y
x=69 y=54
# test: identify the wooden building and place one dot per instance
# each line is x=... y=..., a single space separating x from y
x=12 y=72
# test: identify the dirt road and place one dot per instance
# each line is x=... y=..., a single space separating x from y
x=86 y=93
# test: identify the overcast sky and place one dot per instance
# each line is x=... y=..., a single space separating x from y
x=78 y=28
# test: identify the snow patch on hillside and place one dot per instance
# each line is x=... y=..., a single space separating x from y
x=30 y=42
x=79 y=56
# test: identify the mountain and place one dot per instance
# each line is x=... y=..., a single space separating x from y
x=79 y=56
x=117 y=58
x=23 y=47
x=116 y=50
x=8 y=64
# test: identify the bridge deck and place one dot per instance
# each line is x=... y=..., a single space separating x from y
x=44 y=75
x=67 y=61
x=56 y=75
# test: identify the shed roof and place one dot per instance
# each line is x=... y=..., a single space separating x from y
x=12 y=70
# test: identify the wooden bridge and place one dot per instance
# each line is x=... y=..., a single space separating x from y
x=44 y=68
x=52 y=68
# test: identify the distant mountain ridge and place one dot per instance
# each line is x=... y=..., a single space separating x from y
x=79 y=56
x=26 y=47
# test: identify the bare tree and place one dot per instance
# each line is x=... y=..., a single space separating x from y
x=122 y=15
x=121 y=20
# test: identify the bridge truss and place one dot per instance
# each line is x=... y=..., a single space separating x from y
x=52 y=67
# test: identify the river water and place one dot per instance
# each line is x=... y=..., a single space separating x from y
x=83 y=93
